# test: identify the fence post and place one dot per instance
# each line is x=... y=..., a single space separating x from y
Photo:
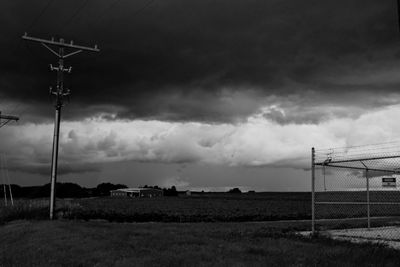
x=313 y=191
x=368 y=201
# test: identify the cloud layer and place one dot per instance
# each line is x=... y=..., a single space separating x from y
x=228 y=83
x=257 y=141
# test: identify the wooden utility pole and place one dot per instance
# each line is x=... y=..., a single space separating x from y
x=6 y=178
x=60 y=93
x=4 y=119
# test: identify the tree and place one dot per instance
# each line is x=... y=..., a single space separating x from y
x=235 y=191
x=170 y=192
x=104 y=189
x=70 y=190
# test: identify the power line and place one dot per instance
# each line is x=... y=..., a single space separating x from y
x=16 y=106
x=44 y=9
x=76 y=13
x=32 y=24
x=146 y=5
x=398 y=13
x=358 y=146
x=104 y=12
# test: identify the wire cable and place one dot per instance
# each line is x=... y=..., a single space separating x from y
x=358 y=146
x=38 y=17
x=74 y=15
x=112 y=5
x=146 y=5
x=398 y=13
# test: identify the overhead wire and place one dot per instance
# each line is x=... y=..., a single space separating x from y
x=35 y=21
x=398 y=13
x=29 y=49
x=146 y=5
x=358 y=146
x=74 y=15
x=114 y=3
x=16 y=106
x=111 y=6
x=41 y=13
x=100 y=17
x=30 y=26
x=4 y=123
x=22 y=111
x=71 y=19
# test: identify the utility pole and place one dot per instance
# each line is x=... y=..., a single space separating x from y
x=6 y=178
x=60 y=93
x=4 y=119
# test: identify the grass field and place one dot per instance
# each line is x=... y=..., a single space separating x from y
x=202 y=208
x=212 y=207
x=80 y=243
x=202 y=230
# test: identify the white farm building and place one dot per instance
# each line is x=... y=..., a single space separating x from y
x=136 y=192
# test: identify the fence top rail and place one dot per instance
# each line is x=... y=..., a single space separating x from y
x=359 y=168
x=331 y=161
x=355 y=203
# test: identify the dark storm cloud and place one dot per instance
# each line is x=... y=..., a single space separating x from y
x=44 y=169
x=203 y=60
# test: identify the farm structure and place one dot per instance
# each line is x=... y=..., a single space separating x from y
x=357 y=187
x=136 y=192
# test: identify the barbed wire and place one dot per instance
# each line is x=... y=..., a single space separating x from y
x=358 y=146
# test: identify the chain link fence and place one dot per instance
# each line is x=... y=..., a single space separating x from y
x=356 y=189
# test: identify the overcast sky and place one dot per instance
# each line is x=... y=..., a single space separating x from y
x=198 y=94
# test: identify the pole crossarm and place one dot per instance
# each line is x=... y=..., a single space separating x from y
x=9 y=117
x=60 y=43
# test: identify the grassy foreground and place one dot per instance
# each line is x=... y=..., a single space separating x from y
x=96 y=243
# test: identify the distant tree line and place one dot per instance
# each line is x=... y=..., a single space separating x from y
x=169 y=192
x=235 y=191
x=72 y=190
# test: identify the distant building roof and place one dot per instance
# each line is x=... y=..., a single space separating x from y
x=136 y=190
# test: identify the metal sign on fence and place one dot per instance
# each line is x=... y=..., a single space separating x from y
x=388 y=182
